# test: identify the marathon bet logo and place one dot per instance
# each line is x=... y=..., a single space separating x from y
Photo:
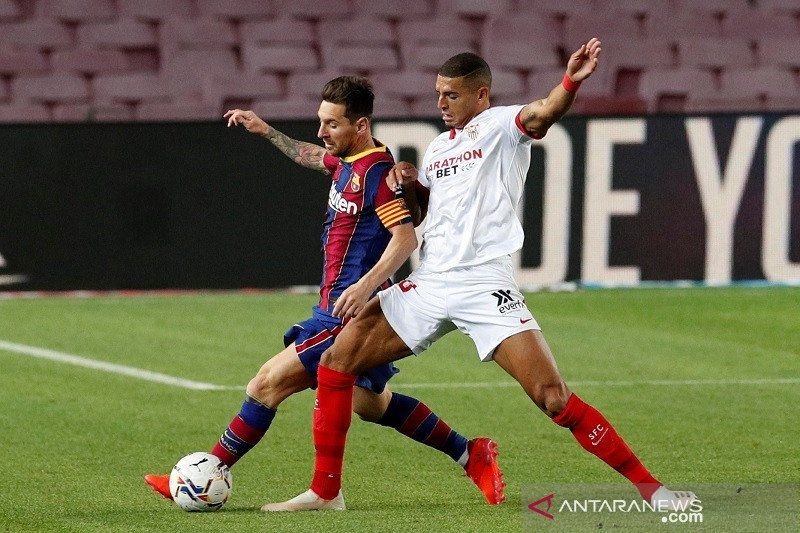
x=506 y=301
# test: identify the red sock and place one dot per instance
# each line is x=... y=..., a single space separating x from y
x=332 y=412
x=597 y=436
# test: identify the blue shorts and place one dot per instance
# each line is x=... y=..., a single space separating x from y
x=315 y=335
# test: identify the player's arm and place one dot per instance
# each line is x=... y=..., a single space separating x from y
x=401 y=245
x=416 y=195
x=303 y=153
x=539 y=115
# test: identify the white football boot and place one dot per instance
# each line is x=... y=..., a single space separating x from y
x=667 y=500
x=308 y=501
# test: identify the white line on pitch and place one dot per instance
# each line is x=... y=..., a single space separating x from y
x=139 y=373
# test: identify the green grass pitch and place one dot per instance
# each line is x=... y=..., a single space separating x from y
x=77 y=441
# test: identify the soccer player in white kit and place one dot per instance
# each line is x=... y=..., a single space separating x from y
x=475 y=175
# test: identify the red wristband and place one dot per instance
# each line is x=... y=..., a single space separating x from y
x=569 y=85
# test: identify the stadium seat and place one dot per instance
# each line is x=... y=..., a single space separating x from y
x=242 y=88
x=759 y=82
x=361 y=58
x=640 y=54
x=441 y=31
x=318 y=9
x=541 y=82
x=755 y=24
x=355 y=31
x=308 y=85
x=608 y=105
x=53 y=88
x=522 y=55
x=405 y=84
x=92 y=113
x=238 y=10
x=23 y=112
x=125 y=33
x=779 y=51
x=282 y=58
x=505 y=84
x=563 y=9
x=679 y=25
x=425 y=108
x=431 y=56
x=22 y=62
x=523 y=27
x=721 y=104
x=282 y=30
x=76 y=10
x=37 y=33
x=613 y=27
x=179 y=33
x=722 y=7
x=781 y=6
x=394 y=9
x=716 y=53
x=156 y=10
x=660 y=86
x=289 y=109
x=134 y=87
x=171 y=112
x=9 y=10
x=474 y=8
x=89 y=61
x=389 y=107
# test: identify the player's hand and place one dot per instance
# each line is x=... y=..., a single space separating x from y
x=401 y=174
x=352 y=300
x=582 y=63
x=248 y=119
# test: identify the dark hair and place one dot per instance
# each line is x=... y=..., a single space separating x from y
x=354 y=92
x=469 y=66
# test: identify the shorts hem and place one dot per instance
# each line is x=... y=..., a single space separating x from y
x=488 y=355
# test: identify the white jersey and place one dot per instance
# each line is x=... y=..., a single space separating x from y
x=476 y=180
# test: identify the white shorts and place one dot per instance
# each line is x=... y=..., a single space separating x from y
x=482 y=301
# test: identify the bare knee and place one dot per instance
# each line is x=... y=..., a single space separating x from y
x=550 y=397
x=269 y=388
x=370 y=406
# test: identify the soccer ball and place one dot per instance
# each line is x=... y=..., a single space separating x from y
x=200 y=482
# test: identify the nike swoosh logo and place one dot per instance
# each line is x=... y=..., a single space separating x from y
x=596 y=442
x=524 y=321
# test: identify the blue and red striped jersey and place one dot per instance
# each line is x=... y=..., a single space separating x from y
x=361 y=208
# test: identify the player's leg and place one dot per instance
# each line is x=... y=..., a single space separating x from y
x=366 y=342
x=414 y=419
x=528 y=359
x=277 y=379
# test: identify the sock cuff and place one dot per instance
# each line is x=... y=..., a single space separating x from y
x=333 y=378
x=256 y=414
x=572 y=413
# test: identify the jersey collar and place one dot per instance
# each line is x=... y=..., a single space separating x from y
x=359 y=155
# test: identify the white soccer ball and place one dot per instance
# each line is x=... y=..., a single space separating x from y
x=200 y=482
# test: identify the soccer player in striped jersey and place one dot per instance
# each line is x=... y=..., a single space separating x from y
x=368 y=234
x=475 y=173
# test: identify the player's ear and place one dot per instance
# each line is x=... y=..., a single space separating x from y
x=483 y=93
x=362 y=124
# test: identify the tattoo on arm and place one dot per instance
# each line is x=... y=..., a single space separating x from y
x=303 y=153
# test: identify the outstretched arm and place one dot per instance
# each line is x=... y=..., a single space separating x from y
x=539 y=115
x=306 y=154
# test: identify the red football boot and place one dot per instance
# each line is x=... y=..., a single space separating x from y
x=484 y=471
x=160 y=484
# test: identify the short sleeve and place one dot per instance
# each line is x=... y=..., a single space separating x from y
x=331 y=162
x=509 y=120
